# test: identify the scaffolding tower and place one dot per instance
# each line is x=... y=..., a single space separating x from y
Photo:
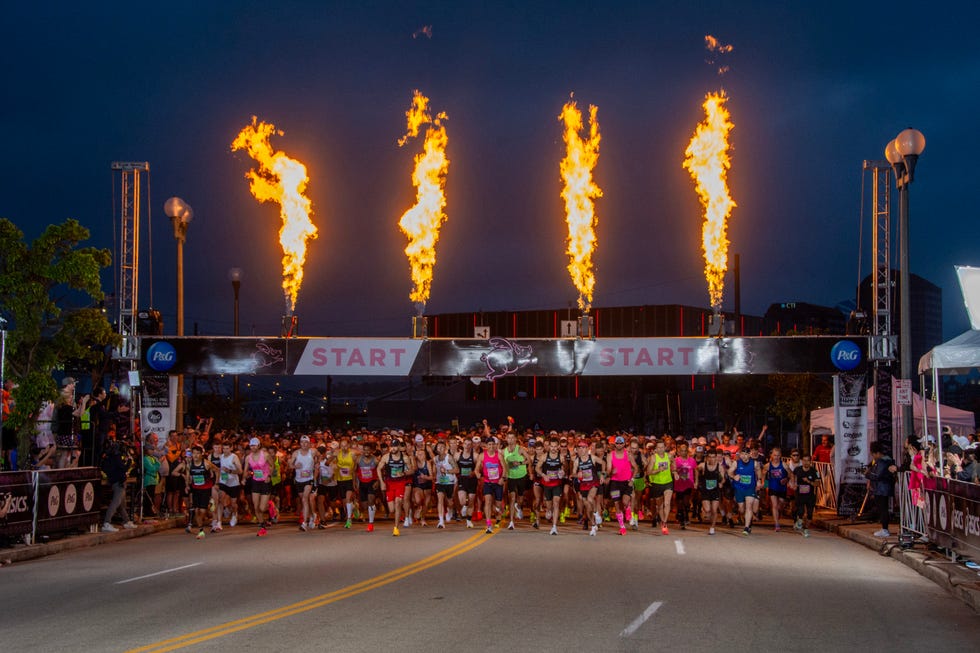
x=127 y=294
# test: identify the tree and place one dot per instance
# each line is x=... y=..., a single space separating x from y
x=38 y=281
x=739 y=396
x=798 y=394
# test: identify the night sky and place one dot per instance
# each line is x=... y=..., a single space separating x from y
x=816 y=88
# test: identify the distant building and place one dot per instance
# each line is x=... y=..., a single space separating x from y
x=925 y=316
x=803 y=318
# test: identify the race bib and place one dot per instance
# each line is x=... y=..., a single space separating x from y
x=258 y=475
x=465 y=472
x=444 y=480
x=396 y=473
x=224 y=477
x=345 y=471
x=804 y=489
x=197 y=479
x=710 y=484
x=614 y=494
x=303 y=475
x=493 y=473
x=586 y=475
x=745 y=479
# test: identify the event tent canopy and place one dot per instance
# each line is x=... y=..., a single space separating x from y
x=960 y=421
x=957 y=356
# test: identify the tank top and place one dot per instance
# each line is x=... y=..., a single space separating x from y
x=466 y=464
x=396 y=468
x=588 y=478
x=516 y=467
x=685 y=473
x=303 y=467
x=776 y=476
x=638 y=459
x=709 y=479
x=491 y=467
x=444 y=471
x=367 y=469
x=422 y=469
x=745 y=474
x=620 y=468
x=327 y=474
x=259 y=465
x=345 y=465
x=201 y=478
x=552 y=471
x=226 y=467
x=661 y=469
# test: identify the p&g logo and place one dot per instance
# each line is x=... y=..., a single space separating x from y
x=161 y=356
x=845 y=355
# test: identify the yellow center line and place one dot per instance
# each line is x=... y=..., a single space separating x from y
x=221 y=630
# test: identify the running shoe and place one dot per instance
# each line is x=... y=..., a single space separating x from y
x=109 y=528
x=536 y=524
x=519 y=513
x=469 y=523
x=262 y=532
x=479 y=516
x=200 y=534
x=746 y=531
x=395 y=532
x=711 y=531
x=683 y=526
x=806 y=533
x=639 y=515
x=234 y=520
x=776 y=528
x=187 y=529
x=489 y=530
x=440 y=525
x=302 y=526
x=347 y=524
x=798 y=525
x=510 y=526
x=664 y=530
x=370 y=528
x=554 y=530
x=622 y=530
x=635 y=525
x=273 y=513
x=592 y=531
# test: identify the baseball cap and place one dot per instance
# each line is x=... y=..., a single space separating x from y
x=254 y=442
x=305 y=438
x=493 y=440
x=419 y=438
x=620 y=439
x=67 y=381
x=583 y=443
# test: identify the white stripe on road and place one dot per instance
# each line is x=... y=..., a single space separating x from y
x=157 y=573
x=680 y=547
x=639 y=621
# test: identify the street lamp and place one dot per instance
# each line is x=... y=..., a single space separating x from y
x=903 y=153
x=180 y=214
x=235 y=276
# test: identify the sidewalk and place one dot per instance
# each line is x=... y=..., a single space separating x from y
x=955 y=577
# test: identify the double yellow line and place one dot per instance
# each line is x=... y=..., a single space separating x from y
x=315 y=602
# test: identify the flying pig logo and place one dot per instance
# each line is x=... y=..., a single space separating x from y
x=506 y=357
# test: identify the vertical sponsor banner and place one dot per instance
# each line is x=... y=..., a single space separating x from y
x=851 y=444
x=883 y=412
x=159 y=403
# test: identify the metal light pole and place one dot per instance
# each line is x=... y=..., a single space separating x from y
x=180 y=214
x=235 y=276
x=902 y=153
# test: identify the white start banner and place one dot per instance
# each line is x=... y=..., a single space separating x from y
x=628 y=356
x=359 y=356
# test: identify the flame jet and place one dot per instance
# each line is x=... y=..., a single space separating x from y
x=581 y=155
x=421 y=223
x=281 y=179
x=708 y=162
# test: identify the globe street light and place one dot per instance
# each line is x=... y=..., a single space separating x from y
x=235 y=276
x=180 y=214
x=903 y=153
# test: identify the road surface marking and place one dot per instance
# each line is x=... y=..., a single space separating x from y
x=214 y=632
x=639 y=621
x=157 y=573
x=680 y=547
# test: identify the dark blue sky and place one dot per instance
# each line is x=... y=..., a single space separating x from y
x=815 y=89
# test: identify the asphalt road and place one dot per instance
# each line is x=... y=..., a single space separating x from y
x=460 y=589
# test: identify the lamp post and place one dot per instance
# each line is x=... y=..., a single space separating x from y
x=235 y=276
x=903 y=153
x=180 y=214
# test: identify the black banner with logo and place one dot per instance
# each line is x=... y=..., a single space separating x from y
x=67 y=499
x=953 y=517
x=18 y=488
x=498 y=357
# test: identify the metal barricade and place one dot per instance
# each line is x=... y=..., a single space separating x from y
x=827 y=490
x=912 y=516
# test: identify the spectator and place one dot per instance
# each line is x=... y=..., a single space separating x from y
x=881 y=483
x=9 y=437
x=151 y=475
x=101 y=425
x=65 y=425
x=824 y=452
x=116 y=465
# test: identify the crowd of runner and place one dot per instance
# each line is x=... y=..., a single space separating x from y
x=483 y=478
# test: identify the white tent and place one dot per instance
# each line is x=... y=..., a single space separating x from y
x=960 y=421
x=957 y=356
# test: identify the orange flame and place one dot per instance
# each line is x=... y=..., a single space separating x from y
x=283 y=180
x=714 y=45
x=708 y=162
x=421 y=223
x=581 y=156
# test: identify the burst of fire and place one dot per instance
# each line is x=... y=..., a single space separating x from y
x=421 y=223
x=708 y=162
x=581 y=155
x=713 y=44
x=280 y=179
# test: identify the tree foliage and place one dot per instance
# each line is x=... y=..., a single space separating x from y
x=41 y=285
x=795 y=395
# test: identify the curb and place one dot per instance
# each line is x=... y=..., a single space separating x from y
x=23 y=553
x=962 y=583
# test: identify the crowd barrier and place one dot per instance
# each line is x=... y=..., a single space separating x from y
x=911 y=515
x=952 y=517
x=50 y=501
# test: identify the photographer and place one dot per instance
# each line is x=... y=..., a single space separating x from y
x=116 y=464
x=881 y=483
